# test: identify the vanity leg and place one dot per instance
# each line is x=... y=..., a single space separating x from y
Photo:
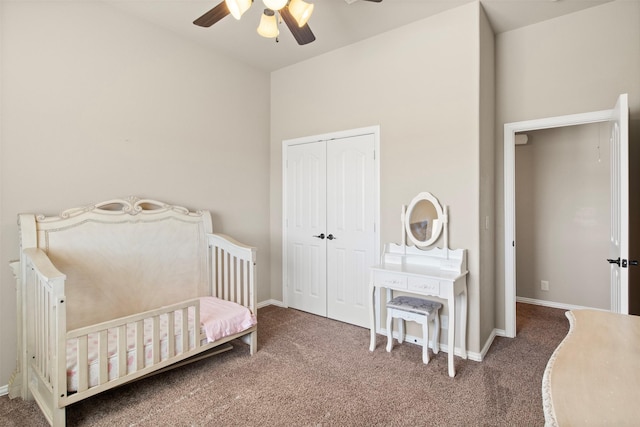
x=436 y=333
x=425 y=341
x=452 y=334
x=372 y=317
x=389 y=331
x=463 y=322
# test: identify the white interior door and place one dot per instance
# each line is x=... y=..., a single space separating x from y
x=350 y=227
x=619 y=241
x=306 y=247
x=330 y=213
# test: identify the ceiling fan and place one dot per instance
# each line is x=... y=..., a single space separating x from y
x=294 y=13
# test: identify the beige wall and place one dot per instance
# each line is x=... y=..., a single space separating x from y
x=94 y=109
x=572 y=64
x=563 y=215
x=487 y=146
x=420 y=84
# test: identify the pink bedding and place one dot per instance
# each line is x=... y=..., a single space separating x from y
x=218 y=319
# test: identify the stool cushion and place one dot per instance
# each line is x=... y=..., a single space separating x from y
x=414 y=305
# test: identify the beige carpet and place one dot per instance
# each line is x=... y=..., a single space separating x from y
x=311 y=371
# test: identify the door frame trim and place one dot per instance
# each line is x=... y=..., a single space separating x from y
x=375 y=131
x=510 y=130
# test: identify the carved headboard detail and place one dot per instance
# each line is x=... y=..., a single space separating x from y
x=130 y=254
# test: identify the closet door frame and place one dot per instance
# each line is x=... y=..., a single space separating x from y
x=375 y=131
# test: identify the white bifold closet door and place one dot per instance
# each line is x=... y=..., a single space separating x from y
x=330 y=227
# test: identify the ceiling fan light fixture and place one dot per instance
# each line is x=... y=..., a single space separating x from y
x=268 y=24
x=301 y=11
x=275 y=4
x=238 y=7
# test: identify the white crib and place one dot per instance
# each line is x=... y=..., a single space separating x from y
x=120 y=287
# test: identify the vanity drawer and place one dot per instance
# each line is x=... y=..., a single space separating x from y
x=430 y=286
x=391 y=280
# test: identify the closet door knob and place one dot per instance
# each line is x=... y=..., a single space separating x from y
x=321 y=236
x=614 y=261
x=330 y=237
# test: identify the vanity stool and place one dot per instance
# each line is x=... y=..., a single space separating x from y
x=418 y=310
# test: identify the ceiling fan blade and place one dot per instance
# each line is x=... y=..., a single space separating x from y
x=213 y=16
x=303 y=35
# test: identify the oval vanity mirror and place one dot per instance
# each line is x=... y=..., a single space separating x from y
x=424 y=220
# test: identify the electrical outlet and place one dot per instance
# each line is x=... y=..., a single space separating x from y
x=544 y=285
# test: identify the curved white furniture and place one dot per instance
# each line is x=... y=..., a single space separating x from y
x=440 y=273
x=593 y=377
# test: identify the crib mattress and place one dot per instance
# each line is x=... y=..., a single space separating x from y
x=218 y=319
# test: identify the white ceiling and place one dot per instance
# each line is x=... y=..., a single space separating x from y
x=335 y=23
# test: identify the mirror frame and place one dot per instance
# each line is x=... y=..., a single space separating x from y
x=435 y=233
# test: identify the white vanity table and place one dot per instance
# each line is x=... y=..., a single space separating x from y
x=435 y=272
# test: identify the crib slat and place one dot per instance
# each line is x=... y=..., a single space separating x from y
x=139 y=345
x=103 y=355
x=46 y=368
x=227 y=267
x=41 y=338
x=82 y=358
x=171 y=341
x=197 y=335
x=47 y=314
x=233 y=265
x=185 y=328
x=39 y=335
x=220 y=281
x=245 y=284
x=122 y=350
x=156 y=339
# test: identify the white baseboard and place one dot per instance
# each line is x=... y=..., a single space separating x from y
x=487 y=344
x=500 y=332
x=555 y=304
x=271 y=302
x=4 y=390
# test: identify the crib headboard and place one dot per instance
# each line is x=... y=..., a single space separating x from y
x=123 y=256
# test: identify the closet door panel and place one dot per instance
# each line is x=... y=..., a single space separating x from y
x=306 y=218
x=350 y=220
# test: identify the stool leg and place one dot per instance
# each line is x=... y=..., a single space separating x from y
x=425 y=344
x=436 y=333
x=389 y=329
x=400 y=330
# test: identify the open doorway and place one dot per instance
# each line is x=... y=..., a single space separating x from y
x=618 y=117
x=563 y=214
